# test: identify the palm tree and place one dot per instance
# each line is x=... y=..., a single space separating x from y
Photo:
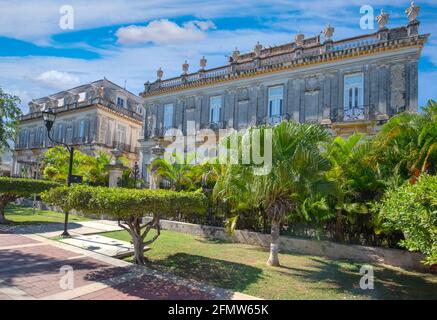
x=407 y=143
x=296 y=163
x=179 y=174
x=354 y=180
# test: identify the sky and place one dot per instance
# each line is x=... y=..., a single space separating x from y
x=47 y=46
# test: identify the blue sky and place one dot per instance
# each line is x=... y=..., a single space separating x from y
x=129 y=40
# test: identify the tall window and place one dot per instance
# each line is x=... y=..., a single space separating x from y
x=353 y=97
x=59 y=136
x=121 y=135
x=215 y=106
x=276 y=97
x=41 y=136
x=82 y=128
x=168 y=116
x=24 y=138
x=121 y=102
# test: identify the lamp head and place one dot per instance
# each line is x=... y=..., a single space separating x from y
x=49 y=117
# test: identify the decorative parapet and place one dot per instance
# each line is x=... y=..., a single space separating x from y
x=290 y=56
x=85 y=104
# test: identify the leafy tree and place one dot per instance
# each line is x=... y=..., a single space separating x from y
x=412 y=209
x=9 y=116
x=92 y=168
x=129 y=207
x=297 y=164
x=12 y=189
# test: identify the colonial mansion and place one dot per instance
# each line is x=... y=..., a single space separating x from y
x=348 y=85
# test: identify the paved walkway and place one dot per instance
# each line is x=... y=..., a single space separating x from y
x=34 y=267
x=54 y=229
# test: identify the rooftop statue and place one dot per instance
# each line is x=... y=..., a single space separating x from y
x=328 y=32
x=412 y=12
x=382 y=19
x=159 y=73
x=258 y=49
x=185 y=67
x=235 y=54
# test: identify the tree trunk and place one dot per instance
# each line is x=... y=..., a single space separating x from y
x=138 y=250
x=3 y=204
x=338 y=234
x=274 y=245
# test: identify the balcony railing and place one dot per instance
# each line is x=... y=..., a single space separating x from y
x=356 y=113
x=84 y=104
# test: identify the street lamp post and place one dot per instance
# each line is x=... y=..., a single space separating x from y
x=136 y=170
x=49 y=117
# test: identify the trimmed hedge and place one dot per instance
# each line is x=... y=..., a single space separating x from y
x=122 y=204
x=129 y=206
x=13 y=188
x=24 y=187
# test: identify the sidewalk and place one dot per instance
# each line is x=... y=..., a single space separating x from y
x=30 y=268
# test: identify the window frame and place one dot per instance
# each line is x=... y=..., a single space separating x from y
x=353 y=95
x=121 y=98
x=169 y=125
x=212 y=108
x=273 y=98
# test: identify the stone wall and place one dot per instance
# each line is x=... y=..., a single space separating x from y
x=394 y=257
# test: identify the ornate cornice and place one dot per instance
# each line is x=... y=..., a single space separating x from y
x=327 y=57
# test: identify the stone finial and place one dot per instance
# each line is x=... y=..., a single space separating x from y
x=298 y=39
x=185 y=67
x=412 y=12
x=235 y=54
x=159 y=73
x=328 y=32
x=382 y=19
x=257 y=49
x=203 y=62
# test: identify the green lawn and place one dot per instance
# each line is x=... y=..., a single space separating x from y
x=242 y=268
x=24 y=215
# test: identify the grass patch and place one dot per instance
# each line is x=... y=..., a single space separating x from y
x=243 y=268
x=21 y=215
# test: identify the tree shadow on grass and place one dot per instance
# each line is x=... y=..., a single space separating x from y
x=212 y=241
x=220 y=273
x=344 y=277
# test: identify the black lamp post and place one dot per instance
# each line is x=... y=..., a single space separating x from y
x=136 y=171
x=49 y=117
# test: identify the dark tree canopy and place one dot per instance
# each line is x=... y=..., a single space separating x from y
x=9 y=115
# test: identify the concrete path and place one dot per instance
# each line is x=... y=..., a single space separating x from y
x=54 y=229
x=103 y=245
x=34 y=267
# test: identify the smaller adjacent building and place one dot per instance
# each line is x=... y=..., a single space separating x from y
x=99 y=116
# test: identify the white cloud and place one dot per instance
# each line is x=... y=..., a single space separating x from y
x=164 y=32
x=58 y=79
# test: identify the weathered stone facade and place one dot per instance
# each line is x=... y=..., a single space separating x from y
x=348 y=85
x=99 y=116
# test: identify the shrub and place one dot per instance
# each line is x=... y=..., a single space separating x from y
x=412 y=209
x=129 y=206
x=12 y=188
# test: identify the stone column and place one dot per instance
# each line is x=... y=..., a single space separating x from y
x=115 y=169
